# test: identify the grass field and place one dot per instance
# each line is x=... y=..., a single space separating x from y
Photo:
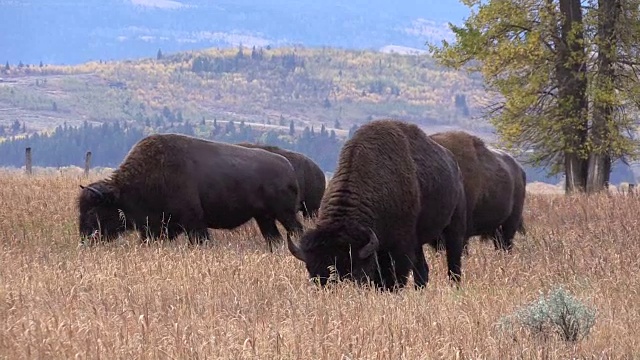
x=234 y=300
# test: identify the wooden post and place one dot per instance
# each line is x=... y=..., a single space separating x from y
x=27 y=153
x=87 y=163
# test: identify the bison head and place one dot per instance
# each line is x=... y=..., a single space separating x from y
x=99 y=217
x=337 y=254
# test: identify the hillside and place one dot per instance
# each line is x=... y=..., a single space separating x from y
x=263 y=86
x=79 y=31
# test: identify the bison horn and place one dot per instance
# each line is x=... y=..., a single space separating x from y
x=93 y=190
x=371 y=246
x=294 y=249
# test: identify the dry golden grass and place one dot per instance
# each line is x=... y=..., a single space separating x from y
x=234 y=300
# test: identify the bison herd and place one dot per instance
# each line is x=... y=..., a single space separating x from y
x=394 y=190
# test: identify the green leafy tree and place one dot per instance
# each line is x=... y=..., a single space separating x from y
x=558 y=101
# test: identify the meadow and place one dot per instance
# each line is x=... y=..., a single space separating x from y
x=233 y=299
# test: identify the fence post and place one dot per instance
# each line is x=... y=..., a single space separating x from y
x=87 y=163
x=27 y=154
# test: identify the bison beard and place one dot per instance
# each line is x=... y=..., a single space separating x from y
x=170 y=184
x=393 y=191
x=311 y=179
x=494 y=184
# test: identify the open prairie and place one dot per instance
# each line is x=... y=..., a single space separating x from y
x=233 y=299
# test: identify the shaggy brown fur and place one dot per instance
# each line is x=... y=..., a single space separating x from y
x=311 y=179
x=443 y=218
x=170 y=184
x=494 y=185
x=505 y=233
x=372 y=210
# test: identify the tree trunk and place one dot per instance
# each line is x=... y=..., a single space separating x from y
x=596 y=176
x=608 y=14
x=571 y=70
x=574 y=173
x=607 y=171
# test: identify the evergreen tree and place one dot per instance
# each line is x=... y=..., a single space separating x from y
x=15 y=127
x=292 y=128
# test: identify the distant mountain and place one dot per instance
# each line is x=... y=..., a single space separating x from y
x=75 y=31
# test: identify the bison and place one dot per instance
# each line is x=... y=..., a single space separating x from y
x=494 y=184
x=393 y=190
x=311 y=179
x=170 y=184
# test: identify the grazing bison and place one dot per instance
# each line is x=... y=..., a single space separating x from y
x=181 y=184
x=503 y=236
x=494 y=184
x=311 y=179
x=389 y=194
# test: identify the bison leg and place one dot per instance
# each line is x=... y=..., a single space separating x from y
x=153 y=230
x=402 y=268
x=291 y=224
x=386 y=277
x=521 y=228
x=192 y=224
x=454 y=235
x=505 y=239
x=269 y=231
x=393 y=270
x=497 y=239
x=421 y=269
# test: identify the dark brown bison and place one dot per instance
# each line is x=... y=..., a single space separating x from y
x=503 y=236
x=171 y=184
x=389 y=194
x=311 y=179
x=494 y=185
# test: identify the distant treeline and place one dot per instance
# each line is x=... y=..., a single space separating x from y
x=110 y=142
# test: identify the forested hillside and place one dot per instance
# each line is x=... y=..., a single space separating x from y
x=282 y=97
x=261 y=85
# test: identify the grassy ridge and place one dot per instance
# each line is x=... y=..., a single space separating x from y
x=235 y=300
x=310 y=86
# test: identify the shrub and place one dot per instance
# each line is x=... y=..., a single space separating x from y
x=559 y=312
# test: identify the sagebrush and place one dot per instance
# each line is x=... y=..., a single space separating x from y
x=558 y=313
